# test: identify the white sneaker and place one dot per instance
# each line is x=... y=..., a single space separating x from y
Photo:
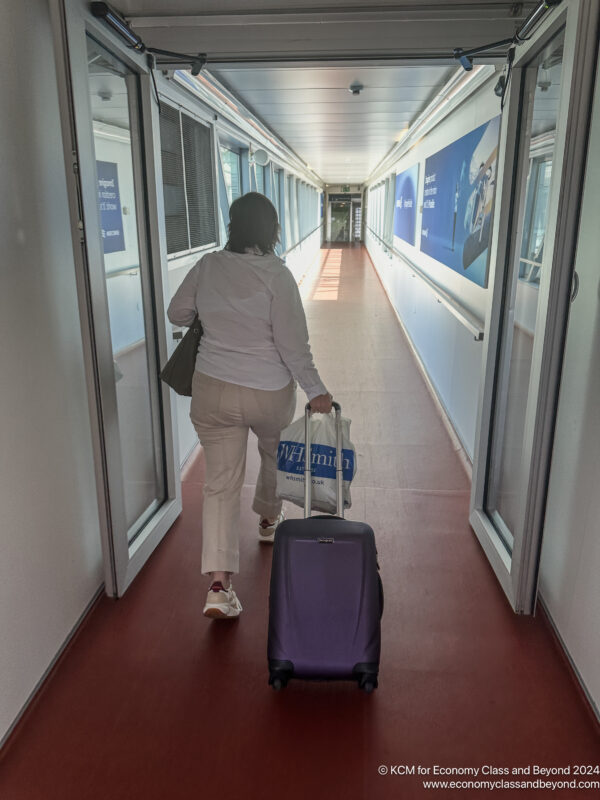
x=222 y=603
x=266 y=532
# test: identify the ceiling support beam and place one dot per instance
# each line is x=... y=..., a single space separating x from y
x=422 y=13
x=409 y=32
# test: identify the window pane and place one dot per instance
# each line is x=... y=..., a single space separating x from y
x=292 y=212
x=260 y=178
x=534 y=228
x=231 y=173
x=340 y=221
x=198 y=182
x=506 y=480
x=277 y=175
x=173 y=187
x=131 y=321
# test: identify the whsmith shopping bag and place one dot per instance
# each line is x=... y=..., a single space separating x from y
x=290 y=462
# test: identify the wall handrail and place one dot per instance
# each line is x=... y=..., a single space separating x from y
x=304 y=238
x=462 y=314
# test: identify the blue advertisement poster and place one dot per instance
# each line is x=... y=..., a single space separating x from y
x=109 y=203
x=457 y=202
x=405 y=207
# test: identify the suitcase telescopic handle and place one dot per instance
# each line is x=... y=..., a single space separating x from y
x=339 y=470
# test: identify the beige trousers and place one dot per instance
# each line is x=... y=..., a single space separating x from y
x=222 y=414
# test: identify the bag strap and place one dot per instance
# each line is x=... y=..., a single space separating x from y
x=339 y=471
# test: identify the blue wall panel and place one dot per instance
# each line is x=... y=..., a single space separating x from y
x=457 y=202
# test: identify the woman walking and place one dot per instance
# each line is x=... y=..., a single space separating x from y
x=253 y=350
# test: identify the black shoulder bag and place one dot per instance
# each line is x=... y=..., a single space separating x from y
x=178 y=372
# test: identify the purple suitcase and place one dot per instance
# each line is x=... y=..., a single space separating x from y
x=326 y=597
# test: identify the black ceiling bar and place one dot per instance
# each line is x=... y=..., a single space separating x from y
x=119 y=24
x=466 y=56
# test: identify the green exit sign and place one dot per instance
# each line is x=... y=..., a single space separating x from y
x=345 y=188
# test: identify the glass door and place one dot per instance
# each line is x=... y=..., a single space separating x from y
x=341 y=223
x=529 y=292
x=114 y=124
x=521 y=300
x=114 y=99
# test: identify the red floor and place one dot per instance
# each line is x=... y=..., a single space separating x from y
x=154 y=701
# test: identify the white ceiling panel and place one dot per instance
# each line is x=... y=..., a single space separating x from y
x=325 y=78
x=314 y=112
x=374 y=119
x=323 y=97
x=344 y=102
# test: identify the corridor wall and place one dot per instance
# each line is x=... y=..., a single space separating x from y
x=448 y=350
x=50 y=550
x=570 y=560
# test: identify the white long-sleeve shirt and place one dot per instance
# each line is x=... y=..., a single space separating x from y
x=254 y=325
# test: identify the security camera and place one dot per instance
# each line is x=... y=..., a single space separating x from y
x=355 y=88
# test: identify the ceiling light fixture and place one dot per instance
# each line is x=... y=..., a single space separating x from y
x=544 y=81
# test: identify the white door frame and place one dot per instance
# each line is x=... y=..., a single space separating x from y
x=518 y=574
x=72 y=21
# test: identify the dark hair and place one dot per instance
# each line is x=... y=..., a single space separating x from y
x=253 y=223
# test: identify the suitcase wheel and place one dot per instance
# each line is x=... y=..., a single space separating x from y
x=279 y=673
x=367 y=681
x=278 y=680
x=366 y=675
